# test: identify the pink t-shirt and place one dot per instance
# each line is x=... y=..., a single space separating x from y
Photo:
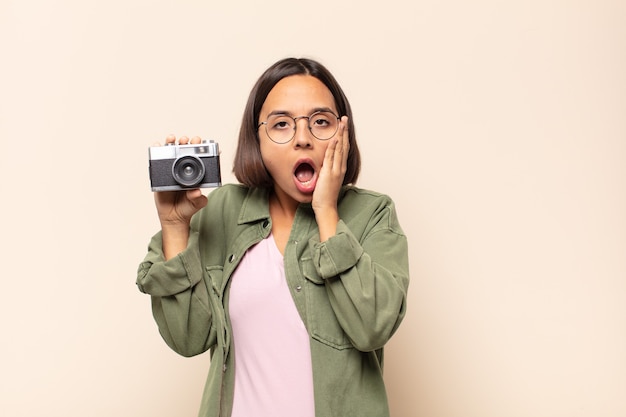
x=273 y=375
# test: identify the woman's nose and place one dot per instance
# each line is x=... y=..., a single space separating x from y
x=303 y=136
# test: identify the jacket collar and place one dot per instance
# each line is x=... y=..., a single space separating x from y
x=255 y=206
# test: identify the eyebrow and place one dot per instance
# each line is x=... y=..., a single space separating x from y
x=288 y=113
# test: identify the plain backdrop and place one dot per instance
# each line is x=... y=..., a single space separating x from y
x=498 y=127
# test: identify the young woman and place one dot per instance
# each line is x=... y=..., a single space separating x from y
x=295 y=279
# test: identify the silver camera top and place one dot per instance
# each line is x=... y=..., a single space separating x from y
x=205 y=149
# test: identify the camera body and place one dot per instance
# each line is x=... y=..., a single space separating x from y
x=182 y=167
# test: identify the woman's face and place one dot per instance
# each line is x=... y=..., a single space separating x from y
x=295 y=165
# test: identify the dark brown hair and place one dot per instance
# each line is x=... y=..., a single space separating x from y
x=248 y=166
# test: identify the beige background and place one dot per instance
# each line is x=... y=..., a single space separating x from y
x=498 y=128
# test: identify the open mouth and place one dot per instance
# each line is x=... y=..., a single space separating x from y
x=305 y=176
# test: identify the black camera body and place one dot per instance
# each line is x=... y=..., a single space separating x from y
x=182 y=167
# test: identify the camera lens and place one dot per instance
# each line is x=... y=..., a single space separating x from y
x=188 y=171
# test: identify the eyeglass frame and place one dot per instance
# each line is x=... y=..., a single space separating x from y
x=295 y=125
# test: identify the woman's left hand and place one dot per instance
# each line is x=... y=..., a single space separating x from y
x=329 y=184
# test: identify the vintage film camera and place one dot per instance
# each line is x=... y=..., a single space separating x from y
x=182 y=167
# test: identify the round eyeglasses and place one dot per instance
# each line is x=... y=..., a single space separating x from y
x=281 y=128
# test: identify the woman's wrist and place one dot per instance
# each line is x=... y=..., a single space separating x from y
x=327 y=223
x=175 y=238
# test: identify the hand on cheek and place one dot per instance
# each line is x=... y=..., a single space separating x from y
x=330 y=181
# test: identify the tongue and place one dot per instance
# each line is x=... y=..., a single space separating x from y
x=304 y=173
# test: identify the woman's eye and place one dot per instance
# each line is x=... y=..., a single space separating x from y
x=281 y=124
x=321 y=122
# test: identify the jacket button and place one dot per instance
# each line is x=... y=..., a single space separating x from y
x=266 y=223
x=299 y=288
x=231 y=258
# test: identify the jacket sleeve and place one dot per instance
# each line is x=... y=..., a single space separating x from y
x=366 y=278
x=180 y=300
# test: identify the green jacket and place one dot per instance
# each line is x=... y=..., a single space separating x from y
x=350 y=292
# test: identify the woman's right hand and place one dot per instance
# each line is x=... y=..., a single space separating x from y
x=175 y=209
